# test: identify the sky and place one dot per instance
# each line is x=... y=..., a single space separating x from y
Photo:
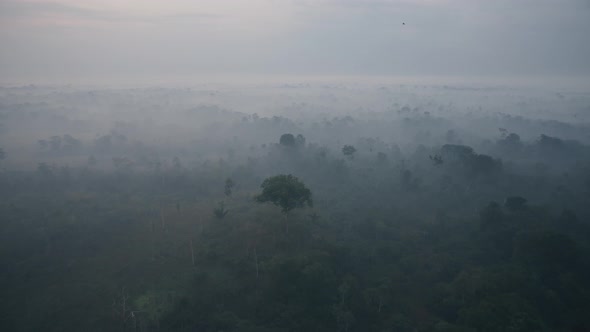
x=96 y=39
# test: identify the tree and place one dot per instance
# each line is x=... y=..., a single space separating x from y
x=220 y=211
x=286 y=191
x=70 y=143
x=287 y=140
x=300 y=141
x=436 y=160
x=467 y=161
x=549 y=142
x=484 y=164
x=548 y=252
x=455 y=151
x=55 y=143
x=229 y=185
x=349 y=150
x=512 y=142
x=491 y=216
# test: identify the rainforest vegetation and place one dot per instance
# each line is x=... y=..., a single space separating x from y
x=331 y=208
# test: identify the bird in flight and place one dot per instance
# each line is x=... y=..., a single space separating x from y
x=404 y=23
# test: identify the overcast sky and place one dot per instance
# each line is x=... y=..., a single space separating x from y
x=63 y=39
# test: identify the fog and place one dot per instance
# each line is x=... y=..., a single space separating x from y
x=103 y=41
x=182 y=121
x=379 y=165
x=118 y=194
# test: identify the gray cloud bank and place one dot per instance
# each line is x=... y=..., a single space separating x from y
x=59 y=41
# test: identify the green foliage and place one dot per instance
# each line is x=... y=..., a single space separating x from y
x=393 y=245
x=548 y=251
x=286 y=191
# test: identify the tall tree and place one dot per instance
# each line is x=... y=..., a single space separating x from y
x=286 y=191
x=287 y=140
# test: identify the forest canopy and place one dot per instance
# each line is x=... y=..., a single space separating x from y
x=435 y=208
x=285 y=191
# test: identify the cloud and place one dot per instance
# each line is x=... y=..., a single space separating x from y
x=24 y=9
x=359 y=37
x=56 y=11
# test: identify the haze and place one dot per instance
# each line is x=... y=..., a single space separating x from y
x=295 y=165
x=139 y=41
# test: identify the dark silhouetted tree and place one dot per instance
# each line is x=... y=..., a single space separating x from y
x=287 y=140
x=436 y=160
x=550 y=142
x=229 y=185
x=548 y=252
x=484 y=164
x=220 y=211
x=300 y=141
x=349 y=150
x=286 y=191
x=458 y=152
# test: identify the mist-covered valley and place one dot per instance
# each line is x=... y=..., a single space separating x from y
x=308 y=205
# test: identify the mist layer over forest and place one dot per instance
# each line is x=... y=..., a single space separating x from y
x=410 y=207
